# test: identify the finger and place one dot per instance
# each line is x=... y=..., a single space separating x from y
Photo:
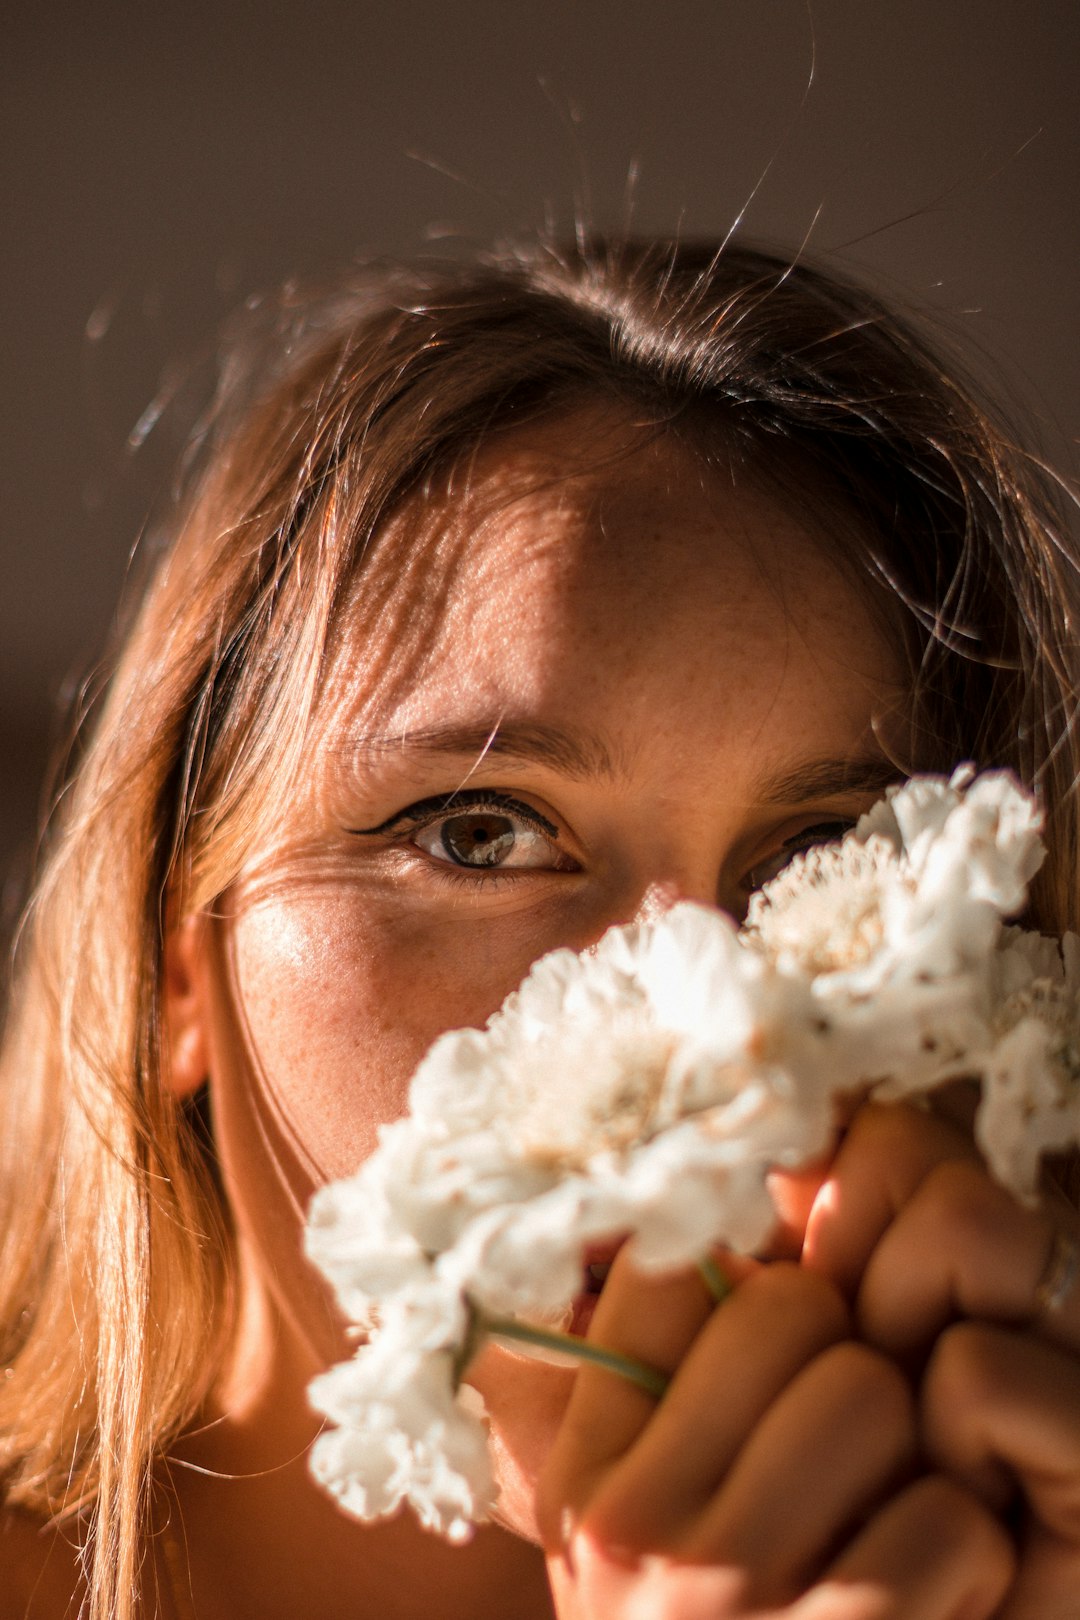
x=838 y=1439
x=589 y=1580
x=654 y=1320
x=886 y=1155
x=793 y=1193
x=999 y=1406
x=962 y=1246
x=746 y=1354
x=933 y=1553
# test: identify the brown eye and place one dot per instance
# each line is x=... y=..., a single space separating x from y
x=478 y=839
x=485 y=838
x=822 y=832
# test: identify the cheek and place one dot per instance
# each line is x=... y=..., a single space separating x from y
x=335 y=1000
x=312 y=1043
x=315 y=1035
x=331 y=1029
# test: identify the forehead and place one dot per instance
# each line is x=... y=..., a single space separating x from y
x=573 y=553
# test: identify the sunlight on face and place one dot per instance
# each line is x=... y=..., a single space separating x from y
x=644 y=682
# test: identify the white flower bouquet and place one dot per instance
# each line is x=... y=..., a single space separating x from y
x=646 y=1087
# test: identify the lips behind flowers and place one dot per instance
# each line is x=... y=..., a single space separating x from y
x=597 y=1261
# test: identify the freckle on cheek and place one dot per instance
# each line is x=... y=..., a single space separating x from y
x=330 y=1038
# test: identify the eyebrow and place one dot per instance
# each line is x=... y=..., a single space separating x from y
x=825 y=778
x=582 y=754
x=577 y=754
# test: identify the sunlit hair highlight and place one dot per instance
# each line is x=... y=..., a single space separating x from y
x=116 y=1256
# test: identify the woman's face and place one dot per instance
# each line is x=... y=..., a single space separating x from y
x=642 y=681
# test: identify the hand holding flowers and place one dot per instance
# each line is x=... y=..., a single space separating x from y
x=650 y=1087
x=943 y=1269
x=780 y=1477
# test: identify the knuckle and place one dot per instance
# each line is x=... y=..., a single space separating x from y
x=795 y=1291
x=985 y=1380
x=871 y=1386
x=908 y=1144
x=963 y=1364
x=958 y=1196
x=952 y=1519
x=877 y=1122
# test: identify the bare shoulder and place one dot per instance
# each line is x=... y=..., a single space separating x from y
x=39 y=1570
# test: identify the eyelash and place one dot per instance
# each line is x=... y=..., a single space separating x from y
x=821 y=832
x=430 y=812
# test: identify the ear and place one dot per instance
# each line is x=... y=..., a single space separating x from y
x=187 y=1047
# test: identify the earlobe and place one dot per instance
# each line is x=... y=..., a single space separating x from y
x=187 y=1049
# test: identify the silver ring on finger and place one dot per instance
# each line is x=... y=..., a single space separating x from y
x=1060 y=1273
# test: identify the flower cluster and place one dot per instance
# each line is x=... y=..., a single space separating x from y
x=647 y=1087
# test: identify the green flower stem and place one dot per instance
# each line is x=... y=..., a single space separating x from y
x=647 y=1378
x=713 y=1278
x=506 y=1327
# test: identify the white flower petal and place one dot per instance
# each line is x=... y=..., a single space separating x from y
x=644 y=1089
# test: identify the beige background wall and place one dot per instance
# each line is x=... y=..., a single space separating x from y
x=160 y=162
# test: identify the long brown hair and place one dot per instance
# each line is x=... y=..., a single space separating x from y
x=116 y=1256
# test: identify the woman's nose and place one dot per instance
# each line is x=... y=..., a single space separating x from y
x=660 y=894
x=645 y=896
x=656 y=899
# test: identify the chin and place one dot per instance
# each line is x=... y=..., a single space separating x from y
x=526 y=1400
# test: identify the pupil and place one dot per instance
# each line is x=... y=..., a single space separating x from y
x=478 y=840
